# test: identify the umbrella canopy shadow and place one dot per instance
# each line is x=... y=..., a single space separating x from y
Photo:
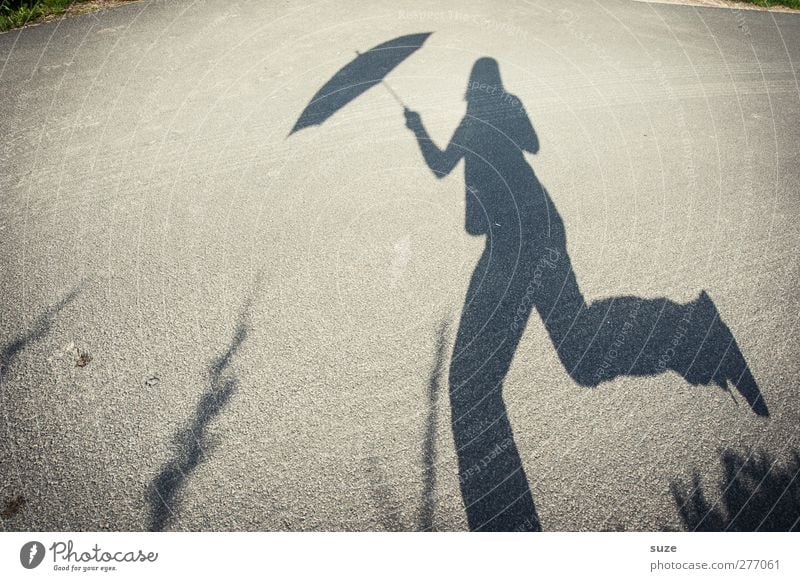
x=364 y=72
x=525 y=268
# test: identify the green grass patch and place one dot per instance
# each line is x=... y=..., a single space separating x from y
x=14 y=13
x=769 y=3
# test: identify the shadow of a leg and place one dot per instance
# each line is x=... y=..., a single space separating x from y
x=493 y=481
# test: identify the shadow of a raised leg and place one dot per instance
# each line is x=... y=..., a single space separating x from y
x=634 y=336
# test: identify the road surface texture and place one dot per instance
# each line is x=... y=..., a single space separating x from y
x=210 y=324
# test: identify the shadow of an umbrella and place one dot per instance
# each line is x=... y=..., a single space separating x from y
x=365 y=71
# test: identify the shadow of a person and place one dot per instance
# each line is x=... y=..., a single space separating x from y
x=525 y=266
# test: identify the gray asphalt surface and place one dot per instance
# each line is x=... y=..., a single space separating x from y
x=261 y=313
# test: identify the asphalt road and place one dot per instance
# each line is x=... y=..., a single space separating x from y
x=206 y=324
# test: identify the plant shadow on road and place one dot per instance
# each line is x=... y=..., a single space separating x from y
x=11 y=350
x=385 y=501
x=192 y=442
x=428 y=506
x=756 y=494
x=525 y=266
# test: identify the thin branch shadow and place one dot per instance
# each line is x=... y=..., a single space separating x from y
x=38 y=330
x=192 y=442
x=427 y=509
x=383 y=498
